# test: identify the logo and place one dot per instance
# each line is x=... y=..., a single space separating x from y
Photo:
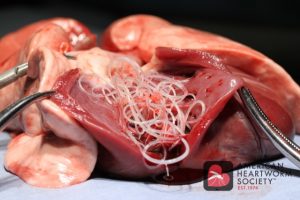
x=255 y=177
x=218 y=176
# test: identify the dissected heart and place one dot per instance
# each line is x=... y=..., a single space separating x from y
x=160 y=100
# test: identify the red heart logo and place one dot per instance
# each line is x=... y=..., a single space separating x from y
x=216 y=178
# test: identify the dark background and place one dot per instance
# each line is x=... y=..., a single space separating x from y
x=271 y=27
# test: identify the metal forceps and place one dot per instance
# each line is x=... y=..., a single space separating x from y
x=14 y=109
x=286 y=146
x=13 y=74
